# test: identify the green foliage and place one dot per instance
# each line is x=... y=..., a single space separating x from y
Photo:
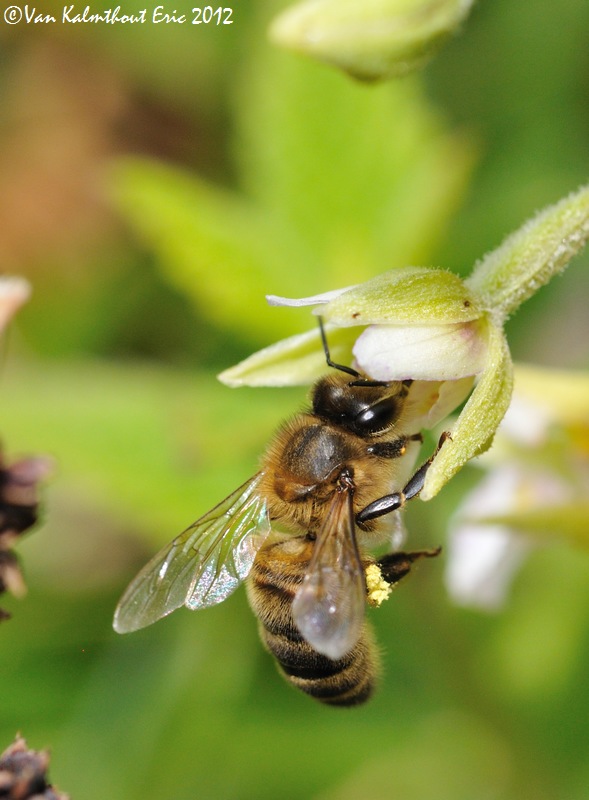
x=321 y=201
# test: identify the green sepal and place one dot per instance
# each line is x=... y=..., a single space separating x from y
x=296 y=361
x=532 y=255
x=475 y=428
x=405 y=296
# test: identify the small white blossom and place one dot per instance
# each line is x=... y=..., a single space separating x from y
x=14 y=292
x=535 y=490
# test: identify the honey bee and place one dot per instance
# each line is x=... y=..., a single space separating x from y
x=294 y=531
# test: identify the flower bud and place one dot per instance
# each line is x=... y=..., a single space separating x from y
x=373 y=39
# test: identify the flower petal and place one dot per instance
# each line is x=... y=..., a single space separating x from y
x=314 y=300
x=405 y=296
x=296 y=361
x=432 y=401
x=483 y=559
x=480 y=417
x=524 y=423
x=428 y=353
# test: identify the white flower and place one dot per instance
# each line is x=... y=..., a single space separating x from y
x=535 y=491
x=13 y=293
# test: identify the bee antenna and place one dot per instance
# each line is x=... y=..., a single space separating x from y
x=330 y=363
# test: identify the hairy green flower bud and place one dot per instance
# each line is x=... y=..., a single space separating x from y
x=373 y=39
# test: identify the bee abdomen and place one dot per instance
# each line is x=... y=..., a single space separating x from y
x=347 y=681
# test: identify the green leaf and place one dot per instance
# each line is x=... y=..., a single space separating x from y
x=367 y=179
x=318 y=202
x=219 y=250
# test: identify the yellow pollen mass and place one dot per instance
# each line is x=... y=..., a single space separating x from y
x=378 y=589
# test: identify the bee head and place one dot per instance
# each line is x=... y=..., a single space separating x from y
x=363 y=407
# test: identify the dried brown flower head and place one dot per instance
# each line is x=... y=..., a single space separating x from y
x=18 y=512
x=23 y=774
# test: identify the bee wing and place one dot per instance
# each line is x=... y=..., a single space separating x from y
x=328 y=608
x=395 y=530
x=201 y=566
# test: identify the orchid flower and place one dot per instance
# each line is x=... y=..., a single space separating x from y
x=431 y=326
x=535 y=491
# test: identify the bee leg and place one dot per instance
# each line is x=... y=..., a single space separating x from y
x=395 y=566
x=392 y=502
x=394 y=449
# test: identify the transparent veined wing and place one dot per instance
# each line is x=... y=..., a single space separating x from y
x=201 y=566
x=395 y=530
x=328 y=609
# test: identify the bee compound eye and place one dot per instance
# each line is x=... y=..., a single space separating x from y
x=377 y=417
x=331 y=401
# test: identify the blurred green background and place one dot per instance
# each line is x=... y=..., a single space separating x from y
x=156 y=182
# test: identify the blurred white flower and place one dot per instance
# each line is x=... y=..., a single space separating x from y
x=13 y=293
x=536 y=490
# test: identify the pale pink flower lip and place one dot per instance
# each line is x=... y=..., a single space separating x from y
x=422 y=352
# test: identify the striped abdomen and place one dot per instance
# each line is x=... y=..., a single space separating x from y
x=275 y=577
